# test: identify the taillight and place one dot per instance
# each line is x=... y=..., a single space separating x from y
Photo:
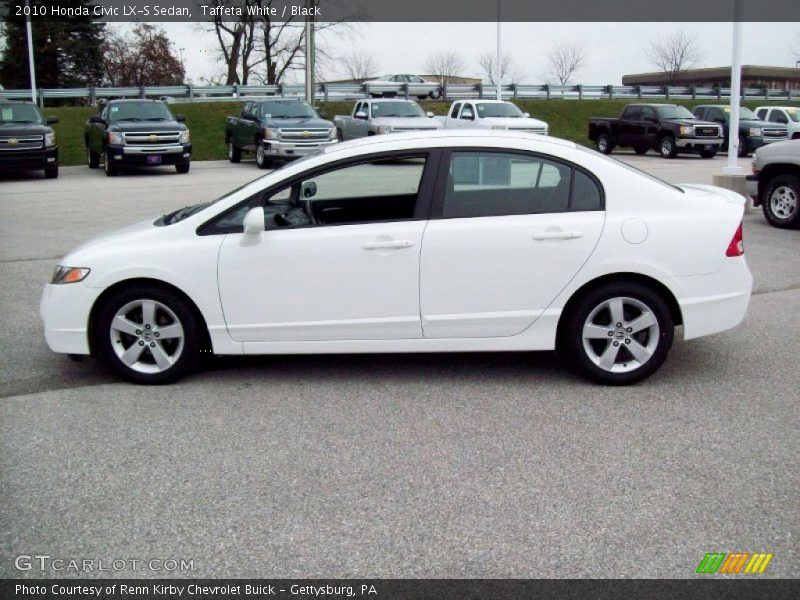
x=736 y=247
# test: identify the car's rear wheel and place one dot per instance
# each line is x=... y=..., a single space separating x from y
x=604 y=144
x=92 y=158
x=148 y=335
x=618 y=333
x=234 y=154
x=742 y=151
x=782 y=202
x=708 y=153
x=667 y=147
x=339 y=135
x=640 y=149
x=262 y=161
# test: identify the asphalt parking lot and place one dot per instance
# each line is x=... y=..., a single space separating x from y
x=455 y=465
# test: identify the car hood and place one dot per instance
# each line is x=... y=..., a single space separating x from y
x=155 y=126
x=105 y=243
x=310 y=122
x=688 y=121
x=760 y=124
x=409 y=122
x=12 y=129
x=515 y=122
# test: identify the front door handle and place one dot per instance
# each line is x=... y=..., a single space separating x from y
x=388 y=245
x=557 y=235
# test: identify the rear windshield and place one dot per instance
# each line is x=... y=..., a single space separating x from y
x=139 y=111
x=629 y=167
x=20 y=113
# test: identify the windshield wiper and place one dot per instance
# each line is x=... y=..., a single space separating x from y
x=156 y=119
x=129 y=119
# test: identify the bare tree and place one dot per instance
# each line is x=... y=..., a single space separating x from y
x=508 y=70
x=143 y=56
x=444 y=65
x=358 y=66
x=674 y=53
x=564 y=61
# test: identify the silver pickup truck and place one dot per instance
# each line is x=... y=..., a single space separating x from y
x=775 y=183
x=373 y=117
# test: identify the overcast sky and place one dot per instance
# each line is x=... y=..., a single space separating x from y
x=613 y=49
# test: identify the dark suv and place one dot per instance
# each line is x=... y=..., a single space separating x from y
x=753 y=132
x=26 y=139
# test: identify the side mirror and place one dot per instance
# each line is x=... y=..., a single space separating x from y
x=96 y=119
x=52 y=120
x=180 y=118
x=361 y=115
x=429 y=114
x=254 y=221
x=308 y=189
x=526 y=115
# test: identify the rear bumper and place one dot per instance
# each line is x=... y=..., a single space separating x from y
x=11 y=160
x=283 y=149
x=65 y=312
x=138 y=156
x=716 y=302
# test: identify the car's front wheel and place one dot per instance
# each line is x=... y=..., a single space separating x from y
x=618 y=333
x=262 y=161
x=604 y=144
x=667 y=147
x=110 y=168
x=782 y=201
x=148 y=335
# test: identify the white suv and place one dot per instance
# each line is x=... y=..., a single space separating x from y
x=785 y=115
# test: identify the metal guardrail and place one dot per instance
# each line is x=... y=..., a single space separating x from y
x=352 y=91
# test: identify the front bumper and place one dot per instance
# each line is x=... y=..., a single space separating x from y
x=699 y=143
x=285 y=149
x=65 y=312
x=12 y=160
x=143 y=156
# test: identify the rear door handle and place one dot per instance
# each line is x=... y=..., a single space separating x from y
x=388 y=245
x=557 y=235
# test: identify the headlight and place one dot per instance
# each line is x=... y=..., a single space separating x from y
x=64 y=274
x=498 y=127
x=50 y=139
x=272 y=134
x=755 y=132
x=687 y=130
x=113 y=137
x=332 y=134
x=384 y=128
x=186 y=137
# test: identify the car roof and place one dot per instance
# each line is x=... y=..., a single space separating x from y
x=131 y=100
x=380 y=100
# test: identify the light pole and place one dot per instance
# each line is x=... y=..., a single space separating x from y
x=733 y=167
x=31 y=68
x=497 y=69
x=309 y=53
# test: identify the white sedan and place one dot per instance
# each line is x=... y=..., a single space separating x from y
x=416 y=242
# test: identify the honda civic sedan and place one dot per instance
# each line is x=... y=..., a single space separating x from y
x=417 y=242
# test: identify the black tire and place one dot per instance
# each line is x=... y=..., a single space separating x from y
x=640 y=149
x=781 y=201
x=92 y=158
x=603 y=143
x=234 y=153
x=708 y=153
x=187 y=358
x=51 y=171
x=339 y=135
x=667 y=147
x=110 y=168
x=572 y=344
x=262 y=161
x=434 y=95
x=742 y=151
x=183 y=167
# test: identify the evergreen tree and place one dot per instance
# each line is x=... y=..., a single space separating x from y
x=66 y=51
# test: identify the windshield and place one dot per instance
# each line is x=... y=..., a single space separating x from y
x=396 y=109
x=290 y=109
x=674 y=112
x=139 y=111
x=793 y=114
x=20 y=113
x=493 y=109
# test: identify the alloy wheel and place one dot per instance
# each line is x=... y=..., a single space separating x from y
x=783 y=202
x=147 y=336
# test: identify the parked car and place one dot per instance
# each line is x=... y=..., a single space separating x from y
x=372 y=117
x=782 y=115
x=753 y=132
x=666 y=128
x=277 y=129
x=137 y=133
x=390 y=85
x=530 y=243
x=491 y=114
x=775 y=183
x=27 y=142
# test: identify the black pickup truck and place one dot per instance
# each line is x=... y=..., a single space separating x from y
x=26 y=139
x=137 y=133
x=666 y=128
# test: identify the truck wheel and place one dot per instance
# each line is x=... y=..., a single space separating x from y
x=183 y=167
x=742 y=152
x=604 y=144
x=781 y=202
x=92 y=158
x=234 y=154
x=111 y=168
x=640 y=149
x=262 y=162
x=708 y=153
x=667 y=148
x=51 y=171
x=339 y=135
x=434 y=95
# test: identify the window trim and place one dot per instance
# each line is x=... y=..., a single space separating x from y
x=437 y=206
x=421 y=208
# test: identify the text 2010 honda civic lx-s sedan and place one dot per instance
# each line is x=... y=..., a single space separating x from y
x=416 y=242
